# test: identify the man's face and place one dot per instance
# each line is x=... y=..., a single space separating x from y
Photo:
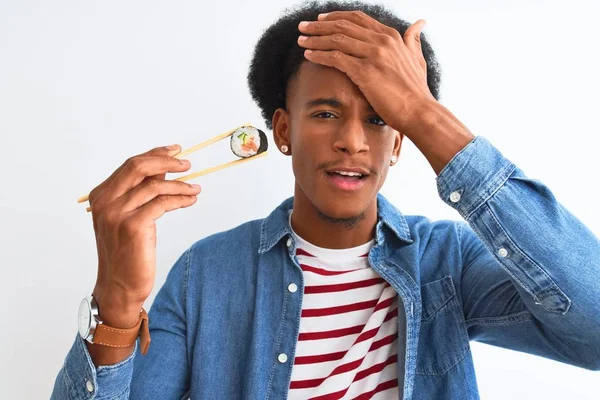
x=334 y=135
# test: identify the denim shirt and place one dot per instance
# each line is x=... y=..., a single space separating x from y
x=520 y=272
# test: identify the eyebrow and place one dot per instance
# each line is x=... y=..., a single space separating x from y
x=330 y=101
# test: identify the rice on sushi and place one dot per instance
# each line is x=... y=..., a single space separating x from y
x=248 y=141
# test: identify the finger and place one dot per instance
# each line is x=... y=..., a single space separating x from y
x=97 y=192
x=343 y=26
x=152 y=188
x=98 y=197
x=139 y=168
x=156 y=208
x=357 y=17
x=349 y=65
x=412 y=37
x=337 y=41
x=159 y=177
x=172 y=151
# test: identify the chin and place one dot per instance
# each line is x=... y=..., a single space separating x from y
x=342 y=208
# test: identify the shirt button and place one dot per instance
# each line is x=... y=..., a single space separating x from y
x=282 y=358
x=293 y=287
x=502 y=252
x=455 y=197
x=289 y=242
x=89 y=386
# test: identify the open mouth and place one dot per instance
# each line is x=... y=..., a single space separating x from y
x=346 y=180
x=346 y=175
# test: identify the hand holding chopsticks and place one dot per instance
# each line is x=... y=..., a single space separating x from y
x=246 y=141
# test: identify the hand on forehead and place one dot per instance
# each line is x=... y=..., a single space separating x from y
x=388 y=68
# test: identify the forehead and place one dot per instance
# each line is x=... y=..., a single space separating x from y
x=314 y=81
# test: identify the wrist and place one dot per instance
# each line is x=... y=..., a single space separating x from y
x=420 y=113
x=437 y=133
x=118 y=314
x=119 y=318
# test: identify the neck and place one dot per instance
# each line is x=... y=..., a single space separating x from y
x=323 y=231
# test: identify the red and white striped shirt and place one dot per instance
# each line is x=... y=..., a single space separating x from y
x=348 y=341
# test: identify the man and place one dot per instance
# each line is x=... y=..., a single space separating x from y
x=336 y=294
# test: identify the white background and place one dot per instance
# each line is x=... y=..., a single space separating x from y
x=86 y=84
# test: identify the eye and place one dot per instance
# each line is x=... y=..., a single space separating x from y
x=325 y=115
x=376 y=121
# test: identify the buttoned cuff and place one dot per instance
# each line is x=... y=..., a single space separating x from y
x=85 y=381
x=473 y=175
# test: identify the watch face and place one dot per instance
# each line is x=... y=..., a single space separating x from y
x=85 y=316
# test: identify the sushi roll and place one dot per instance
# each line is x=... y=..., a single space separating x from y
x=248 y=141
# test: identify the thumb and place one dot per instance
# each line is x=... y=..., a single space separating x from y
x=412 y=37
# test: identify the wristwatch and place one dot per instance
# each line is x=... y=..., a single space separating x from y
x=92 y=329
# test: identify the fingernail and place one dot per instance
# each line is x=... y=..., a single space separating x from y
x=304 y=24
x=172 y=147
x=302 y=38
x=185 y=162
x=323 y=16
x=308 y=52
x=195 y=185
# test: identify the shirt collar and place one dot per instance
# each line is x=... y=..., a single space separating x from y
x=276 y=225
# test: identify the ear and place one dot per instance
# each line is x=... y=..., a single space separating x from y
x=281 y=129
x=397 y=145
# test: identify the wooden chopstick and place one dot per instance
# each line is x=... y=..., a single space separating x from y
x=212 y=169
x=184 y=153
x=219 y=167
x=208 y=142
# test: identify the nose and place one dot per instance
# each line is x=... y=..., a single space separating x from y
x=351 y=138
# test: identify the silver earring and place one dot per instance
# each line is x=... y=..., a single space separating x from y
x=393 y=158
x=284 y=149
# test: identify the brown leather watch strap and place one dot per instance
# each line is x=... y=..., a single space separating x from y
x=115 y=337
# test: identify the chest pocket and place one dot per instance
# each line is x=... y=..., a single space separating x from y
x=443 y=339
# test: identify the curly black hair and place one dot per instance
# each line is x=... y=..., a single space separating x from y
x=277 y=55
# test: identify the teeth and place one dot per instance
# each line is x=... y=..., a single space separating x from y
x=346 y=173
